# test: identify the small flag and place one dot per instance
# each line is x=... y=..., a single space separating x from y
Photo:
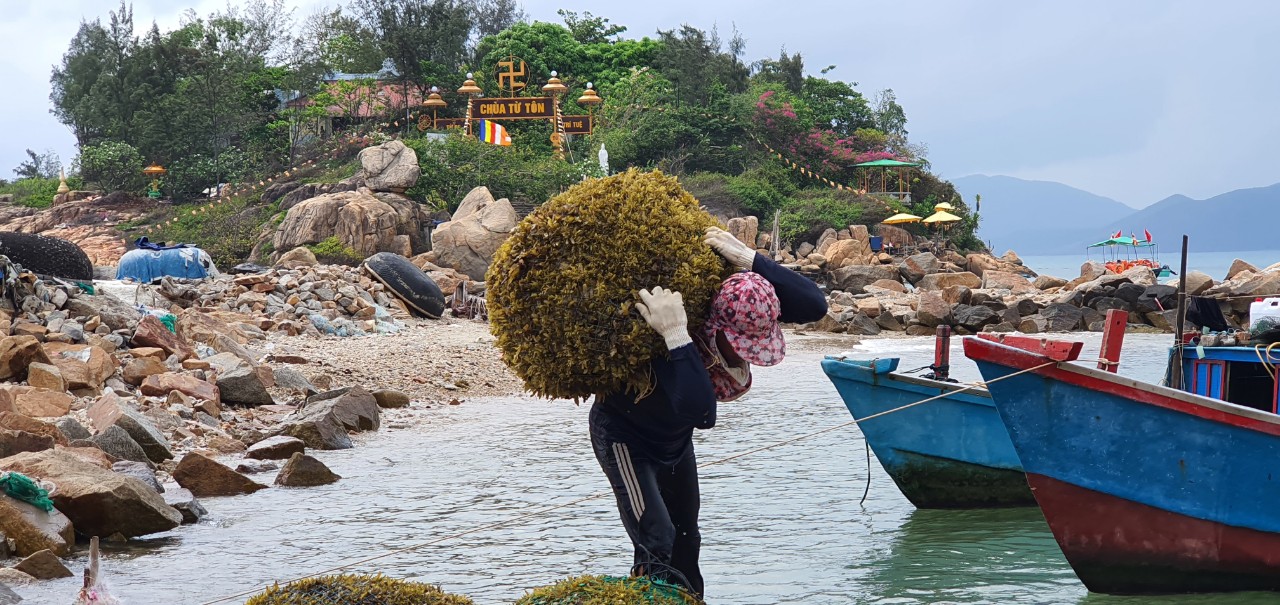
x=1147 y=233
x=1118 y=233
x=493 y=132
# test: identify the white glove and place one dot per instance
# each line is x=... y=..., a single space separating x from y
x=664 y=310
x=731 y=248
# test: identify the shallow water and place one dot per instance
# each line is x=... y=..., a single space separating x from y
x=780 y=526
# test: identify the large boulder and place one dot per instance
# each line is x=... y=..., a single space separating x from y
x=855 y=278
x=323 y=421
x=109 y=410
x=82 y=366
x=206 y=477
x=33 y=530
x=44 y=565
x=279 y=447
x=98 y=501
x=1061 y=317
x=35 y=402
x=160 y=385
x=17 y=353
x=113 y=312
x=746 y=229
x=361 y=220
x=978 y=264
x=298 y=257
x=16 y=442
x=846 y=252
x=1198 y=282
x=974 y=317
x=916 y=266
x=1237 y=267
x=1046 y=282
x=940 y=281
x=305 y=471
x=391 y=166
x=933 y=310
x=117 y=443
x=151 y=332
x=1157 y=298
x=1015 y=283
x=468 y=242
x=240 y=381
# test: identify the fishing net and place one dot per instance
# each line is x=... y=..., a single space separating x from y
x=355 y=589
x=562 y=289
x=22 y=487
x=1265 y=331
x=609 y=590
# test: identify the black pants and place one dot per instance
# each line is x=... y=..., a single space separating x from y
x=659 y=508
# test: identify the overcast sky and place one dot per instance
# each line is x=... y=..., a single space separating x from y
x=1134 y=100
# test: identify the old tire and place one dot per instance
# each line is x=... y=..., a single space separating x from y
x=407 y=282
x=47 y=255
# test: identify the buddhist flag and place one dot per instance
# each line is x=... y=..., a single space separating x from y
x=493 y=132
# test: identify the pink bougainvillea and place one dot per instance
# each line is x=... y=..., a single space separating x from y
x=819 y=149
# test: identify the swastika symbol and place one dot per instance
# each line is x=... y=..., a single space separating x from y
x=511 y=74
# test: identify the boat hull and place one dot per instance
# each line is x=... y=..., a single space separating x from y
x=1147 y=490
x=949 y=453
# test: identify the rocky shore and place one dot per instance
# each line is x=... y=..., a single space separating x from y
x=132 y=424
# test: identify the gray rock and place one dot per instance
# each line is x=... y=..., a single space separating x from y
x=390 y=398
x=1027 y=307
x=115 y=313
x=354 y=407
x=279 y=447
x=117 y=442
x=862 y=325
x=253 y=467
x=1130 y=293
x=1061 y=317
x=239 y=381
x=139 y=471
x=8 y=596
x=43 y=565
x=293 y=380
x=305 y=471
x=974 y=318
x=887 y=321
x=16 y=442
x=72 y=429
x=182 y=500
x=1157 y=298
x=855 y=278
x=110 y=410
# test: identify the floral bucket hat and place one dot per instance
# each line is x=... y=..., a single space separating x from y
x=745 y=314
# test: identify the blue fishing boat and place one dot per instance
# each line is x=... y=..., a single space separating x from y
x=952 y=452
x=1150 y=489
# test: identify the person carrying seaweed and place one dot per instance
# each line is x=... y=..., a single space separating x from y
x=644 y=442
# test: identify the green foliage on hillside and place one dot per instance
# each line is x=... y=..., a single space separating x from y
x=241 y=94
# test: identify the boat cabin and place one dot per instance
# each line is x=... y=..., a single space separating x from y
x=1241 y=375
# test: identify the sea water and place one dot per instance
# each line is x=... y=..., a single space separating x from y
x=1215 y=264
x=779 y=526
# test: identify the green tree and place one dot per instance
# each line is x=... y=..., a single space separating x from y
x=45 y=165
x=589 y=29
x=113 y=166
x=787 y=70
x=694 y=61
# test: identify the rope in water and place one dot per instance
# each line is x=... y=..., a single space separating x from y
x=550 y=508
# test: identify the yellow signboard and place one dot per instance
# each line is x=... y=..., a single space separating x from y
x=515 y=108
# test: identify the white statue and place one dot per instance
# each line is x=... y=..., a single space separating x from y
x=604 y=159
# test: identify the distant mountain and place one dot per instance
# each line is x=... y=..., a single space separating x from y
x=1039 y=217
x=1234 y=221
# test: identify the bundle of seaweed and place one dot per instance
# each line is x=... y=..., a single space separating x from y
x=608 y=590
x=562 y=289
x=354 y=589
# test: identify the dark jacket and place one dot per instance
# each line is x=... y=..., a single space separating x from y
x=661 y=425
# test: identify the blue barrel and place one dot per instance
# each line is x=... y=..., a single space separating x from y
x=876 y=243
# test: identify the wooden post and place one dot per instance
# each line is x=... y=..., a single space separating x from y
x=1112 y=340
x=1175 y=372
x=942 y=353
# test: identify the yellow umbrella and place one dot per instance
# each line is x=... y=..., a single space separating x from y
x=942 y=216
x=944 y=206
x=900 y=218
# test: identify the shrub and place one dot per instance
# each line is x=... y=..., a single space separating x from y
x=608 y=590
x=353 y=588
x=333 y=252
x=37 y=192
x=113 y=166
x=805 y=218
x=455 y=165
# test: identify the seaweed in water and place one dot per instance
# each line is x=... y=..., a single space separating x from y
x=354 y=589
x=562 y=289
x=608 y=590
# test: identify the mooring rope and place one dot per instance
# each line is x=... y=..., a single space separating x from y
x=977 y=385
x=550 y=508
